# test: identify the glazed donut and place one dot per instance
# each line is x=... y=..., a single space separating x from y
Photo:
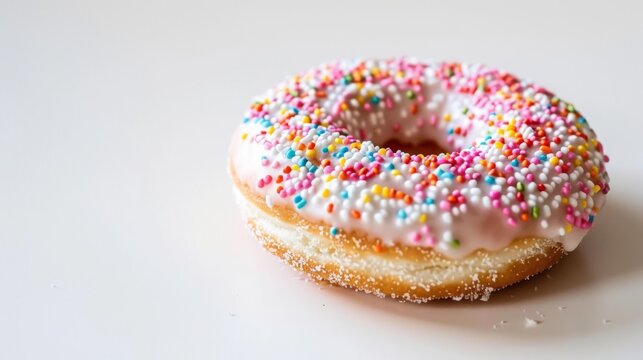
x=519 y=183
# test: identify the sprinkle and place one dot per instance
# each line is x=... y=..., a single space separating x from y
x=334 y=231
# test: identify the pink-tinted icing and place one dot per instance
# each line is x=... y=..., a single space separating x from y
x=522 y=162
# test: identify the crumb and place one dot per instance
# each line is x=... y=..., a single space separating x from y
x=53 y=286
x=502 y=322
x=530 y=323
x=607 y=321
x=548 y=276
x=535 y=288
x=495 y=326
x=231 y=314
x=562 y=307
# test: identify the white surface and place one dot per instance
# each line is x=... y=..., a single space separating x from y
x=119 y=237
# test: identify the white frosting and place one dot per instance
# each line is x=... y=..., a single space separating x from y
x=475 y=223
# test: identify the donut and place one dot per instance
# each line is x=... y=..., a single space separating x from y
x=514 y=182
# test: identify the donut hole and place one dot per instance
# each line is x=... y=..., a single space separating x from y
x=427 y=147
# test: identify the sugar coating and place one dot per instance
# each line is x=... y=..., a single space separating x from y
x=521 y=161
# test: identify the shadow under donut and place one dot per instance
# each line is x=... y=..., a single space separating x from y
x=608 y=253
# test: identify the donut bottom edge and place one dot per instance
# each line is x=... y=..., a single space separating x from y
x=403 y=273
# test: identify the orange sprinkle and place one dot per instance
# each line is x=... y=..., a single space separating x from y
x=330 y=207
x=356 y=214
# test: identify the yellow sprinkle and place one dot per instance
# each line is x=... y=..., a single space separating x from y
x=385 y=191
x=244 y=136
x=366 y=199
x=596 y=189
x=271 y=130
x=553 y=160
x=342 y=161
x=310 y=153
x=325 y=193
x=577 y=162
x=498 y=145
x=297 y=139
x=344 y=106
x=295 y=167
x=499 y=116
x=377 y=189
x=395 y=172
x=422 y=218
x=338 y=141
x=382 y=151
x=305 y=119
x=447 y=117
x=331 y=148
x=583 y=204
x=317 y=112
x=329 y=178
x=568 y=228
x=565 y=200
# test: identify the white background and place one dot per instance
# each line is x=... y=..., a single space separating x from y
x=119 y=236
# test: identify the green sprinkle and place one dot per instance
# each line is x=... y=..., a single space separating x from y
x=571 y=108
x=410 y=94
x=465 y=110
x=520 y=186
x=535 y=212
x=455 y=243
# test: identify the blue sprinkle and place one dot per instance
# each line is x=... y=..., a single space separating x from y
x=246 y=119
x=301 y=204
x=297 y=199
x=295 y=110
x=375 y=100
x=450 y=132
x=313 y=169
x=429 y=201
x=447 y=175
x=514 y=163
x=390 y=166
x=344 y=194
x=490 y=180
x=401 y=214
x=334 y=231
x=303 y=162
x=325 y=150
x=582 y=120
x=543 y=157
x=591 y=219
x=290 y=153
